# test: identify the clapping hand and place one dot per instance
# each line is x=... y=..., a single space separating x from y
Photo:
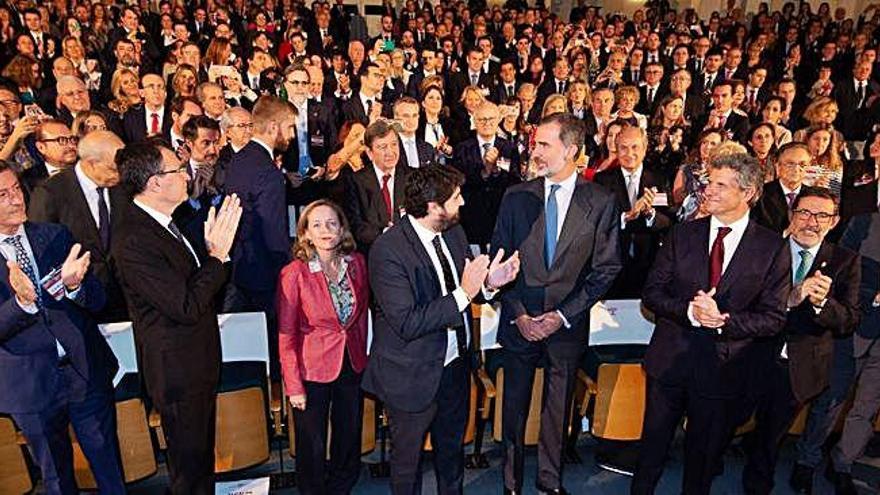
x=474 y=274
x=502 y=273
x=706 y=310
x=74 y=269
x=815 y=288
x=221 y=226
x=21 y=284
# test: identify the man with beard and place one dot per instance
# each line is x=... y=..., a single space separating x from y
x=567 y=233
x=423 y=283
x=262 y=246
x=200 y=135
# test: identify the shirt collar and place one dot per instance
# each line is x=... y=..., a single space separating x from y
x=566 y=184
x=265 y=146
x=637 y=173
x=786 y=191
x=425 y=234
x=20 y=232
x=737 y=226
x=380 y=173
x=797 y=248
x=84 y=180
x=163 y=219
x=482 y=141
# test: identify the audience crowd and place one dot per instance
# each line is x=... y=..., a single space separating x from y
x=165 y=162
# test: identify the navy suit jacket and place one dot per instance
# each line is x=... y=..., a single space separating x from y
x=134 y=124
x=753 y=290
x=262 y=244
x=28 y=354
x=411 y=317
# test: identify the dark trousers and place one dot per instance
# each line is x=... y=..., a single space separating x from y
x=240 y=300
x=559 y=377
x=775 y=409
x=94 y=421
x=859 y=425
x=445 y=419
x=705 y=439
x=189 y=430
x=314 y=476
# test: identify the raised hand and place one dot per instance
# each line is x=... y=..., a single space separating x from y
x=74 y=269
x=21 y=284
x=221 y=226
x=502 y=273
x=474 y=275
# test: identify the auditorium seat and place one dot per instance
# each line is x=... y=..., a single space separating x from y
x=243 y=410
x=14 y=476
x=135 y=444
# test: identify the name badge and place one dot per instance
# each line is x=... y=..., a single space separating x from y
x=317 y=140
x=53 y=285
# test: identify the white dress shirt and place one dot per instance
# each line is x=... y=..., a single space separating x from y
x=164 y=220
x=90 y=191
x=563 y=198
x=461 y=300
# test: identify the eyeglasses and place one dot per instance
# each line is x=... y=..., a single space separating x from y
x=9 y=103
x=800 y=165
x=243 y=125
x=63 y=140
x=822 y=218
x=178 y=170
x=484 y=120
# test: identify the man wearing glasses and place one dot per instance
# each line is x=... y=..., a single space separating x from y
x=152 y=118
x=73 y=98
x=773 y=209
x=822 y=313
x=56 y=146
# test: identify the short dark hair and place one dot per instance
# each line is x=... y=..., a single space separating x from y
x=137 y=163
x=190 y=130
x=816 y=192
x=571 y=128
x=179 y=102
x=434 y=184
x=376 y=130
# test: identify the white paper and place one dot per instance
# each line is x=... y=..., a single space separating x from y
x=259 y=486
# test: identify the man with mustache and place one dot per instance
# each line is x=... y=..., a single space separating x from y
x=822 y=313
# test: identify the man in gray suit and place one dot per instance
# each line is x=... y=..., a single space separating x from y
x=863 y=235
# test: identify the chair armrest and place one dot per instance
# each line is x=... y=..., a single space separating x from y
x=276 y=406
x=155 y=422
x=591 y=388
x=20 y=438
x=488 y=386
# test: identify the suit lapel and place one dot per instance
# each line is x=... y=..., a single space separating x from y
x=81 y=206
x=399 y=190
x=39 y=241
x=741 y=257
x=699 y=244
x=419 y=249
x=578 y=210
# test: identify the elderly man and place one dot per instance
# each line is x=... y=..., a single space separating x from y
x=86 y=200
x=211 y=99
x=490 y=164
x=152 y=118
x=73 y=98
x=237 y=128
x=717 y=287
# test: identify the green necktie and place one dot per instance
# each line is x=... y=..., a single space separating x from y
x=804 y=267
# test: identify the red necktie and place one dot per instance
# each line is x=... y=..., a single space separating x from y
x=716 y=257
x=154 y=124
x=386 y=194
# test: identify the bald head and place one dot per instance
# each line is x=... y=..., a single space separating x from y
x=73 y=94
x=97 y=154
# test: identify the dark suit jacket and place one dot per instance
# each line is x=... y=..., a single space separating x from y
x=810 y=336
x=643 y=106
x=365 y=207
x=262 y=244
x=134 y=124
x=352 y=109
x=411 y=318
x=737 y=127
x=753 y=290
x=28 y=354
x=851 y=120
x=171 y=304
x=771 y=210
x=427 y=154
x=862 y=235
x=61 y=200
x=638 y=242
x=460 y=80
x=586 y=262
x=482 y=196
x=859 y=192
x=498 y=93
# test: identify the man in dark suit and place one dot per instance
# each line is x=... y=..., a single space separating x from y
x=506 y=85
x=718 y=286
x=366 y=105
x=57 y=147
x=705 y=81
x=423 y=283
x=375 y=192
x=262 y=247
x=414 y=151
x=722 y=114
x=490 y=165
x=152 y=118
x=599 y=116
x=85 y=199
x=129 y=28
x=694 y=103
x=426 y=69
x=635 y=188
x=822 y=311
x=774 y=207
x=855 y=96
x=653 y=91
x=170 y=287
x=201 y=135
x=566 y=231
x=58 y=367
x=558 y=84
x=470 y=75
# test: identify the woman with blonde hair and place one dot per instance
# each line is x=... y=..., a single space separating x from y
x=184 y=81
x=821 y=112
x=826 y=169
x=626 y=98
x=578 y=95
x=555 y=103
x=323 y=296
x=398 y=71
x=125 y=87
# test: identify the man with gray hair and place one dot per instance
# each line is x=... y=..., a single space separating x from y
x=237 y=128
x=718 y=286
x=73 y=98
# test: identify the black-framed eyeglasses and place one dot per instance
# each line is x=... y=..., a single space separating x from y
x=178 y=170
x=821 y=217
x=62 y=140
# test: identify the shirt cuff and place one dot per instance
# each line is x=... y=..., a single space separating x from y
x=818 y=307
x=564 y=319
x=341 y=95
x=649 y=220
x=489 y=294
x=623 y=221
x=461 y=299
x=30 y=309
x=690 y=313
x=71 y=294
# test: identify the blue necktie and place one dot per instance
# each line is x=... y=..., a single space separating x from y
x=550 y=226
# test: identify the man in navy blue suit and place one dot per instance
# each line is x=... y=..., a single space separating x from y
x=57 y=366
x=262 y=246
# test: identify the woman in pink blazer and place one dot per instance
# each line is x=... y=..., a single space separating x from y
x=322 y=322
